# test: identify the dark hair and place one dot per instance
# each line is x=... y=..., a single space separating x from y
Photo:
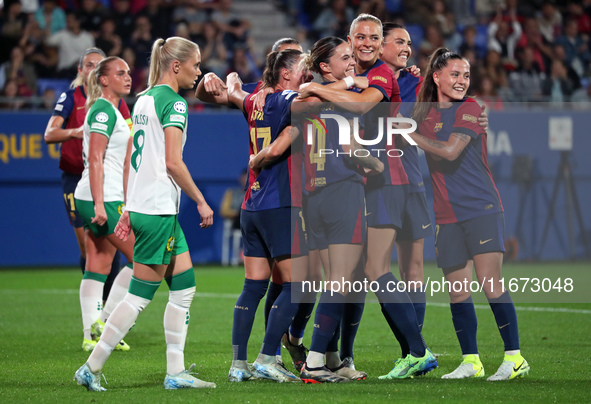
x=428 y=93
x=388 y=27
x=321 y=52
x=276 y=61
x=284 y=41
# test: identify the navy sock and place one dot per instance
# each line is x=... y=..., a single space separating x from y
x=400 y=310
x=352 y=313
x=244 y=312
x=305 y=308
x=506 y=318
x=333 y=345
x=419 y=302
x=399 y=337
x=272 y=294
x=115 y=268
x=327 y=320
x=280 y=318
x=465 y=323
x=82 y=263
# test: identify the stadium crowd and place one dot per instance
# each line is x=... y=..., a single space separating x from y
x=519 y=50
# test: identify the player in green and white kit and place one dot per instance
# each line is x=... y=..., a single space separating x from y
x=100 y=193
x=157 y=175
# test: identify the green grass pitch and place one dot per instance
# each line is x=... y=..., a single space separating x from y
x=40 y=339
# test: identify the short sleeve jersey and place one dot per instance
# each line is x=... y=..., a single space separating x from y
x=151 y=190
x=381 y=77
x=271 y=188
x=464 y=188
x=71 y=106
x=409 y=89
x=103 y=118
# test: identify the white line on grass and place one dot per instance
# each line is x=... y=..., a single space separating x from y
x=373 y=300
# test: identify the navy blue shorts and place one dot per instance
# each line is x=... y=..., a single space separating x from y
x=386 y=205
x=417 y=221
x=266 y=233
x=456 y=243
x=69 y=183
x=336 y=215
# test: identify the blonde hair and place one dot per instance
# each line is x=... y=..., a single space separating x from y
x=166 y=51
x=79 y=80
x=364 y=18
x=95 y=88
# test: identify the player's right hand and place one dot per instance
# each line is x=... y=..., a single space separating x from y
x=123 y=227
x=206 y=215
x=100 y=215
x=213 y=84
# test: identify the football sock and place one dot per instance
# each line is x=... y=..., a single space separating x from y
x=82 y=263
x=280 y=318
x=327 y=319
x=465 y=322
x=419 y=302
x=176 y=319
x=121 y=320
x=301 y=318
x=115 y=267
x=118 y=291
x=244 y=312
x=91 y=301
x=333 y=360
x=352 y=313
x=272 y=294
x=506 y=318
x=399 y=309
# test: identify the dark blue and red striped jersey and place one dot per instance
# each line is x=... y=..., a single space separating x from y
x=381 y=77
x=71 y=107
x=271 y=188
x=325 y=161
x=464 y=188
x=409 y=89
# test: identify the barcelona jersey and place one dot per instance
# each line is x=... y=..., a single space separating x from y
x=381 y=77
x=464 y=188
x=409 y=89
x=271 y=188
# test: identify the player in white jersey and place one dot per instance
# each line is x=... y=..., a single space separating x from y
x=157 y=175
x=99 y=194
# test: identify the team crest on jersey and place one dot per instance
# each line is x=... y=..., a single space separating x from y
x=256 y=186
x=102 y=117
x=170 y=244
x=180 y=107
x=62 y=98
x=438 y=126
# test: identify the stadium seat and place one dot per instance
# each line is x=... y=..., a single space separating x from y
x=58 y=85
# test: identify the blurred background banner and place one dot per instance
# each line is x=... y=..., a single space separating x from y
x=545 y=187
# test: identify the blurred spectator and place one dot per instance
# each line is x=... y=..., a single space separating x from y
x=21 y=72
x=159 y=14
x=141 y=41
x=501 y=39
x=234 y=29
x=50 y=17
x=9 y=93
x=433 y=40
x=30 y=6
x=560 y=54
x=526 y=81
x=575 y=47
x=49 y=99
x=334 y=20
x=557 y=87
x=124 y=19
x=41 y=55
x=550 y=21
x=139 y=76
x=213 y=52
x=575 y=11
x=108 y=41
x=487 y=94
x=469 y=43
x=91 y=16
x=377 y=8
x=230 y=211
x=12 y=28
x=71 y=43
x=463 y=11
x=446 y=21
x=191 y=12
x=533 y=38
x=241 y=64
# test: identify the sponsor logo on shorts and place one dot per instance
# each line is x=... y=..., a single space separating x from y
x=424 y=226
x=170 y=244
x=102 y=117
x=180 y=107
x=121 y=208
x=485 y=241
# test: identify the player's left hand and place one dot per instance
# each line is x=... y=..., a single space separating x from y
x=414 y=69
x=483 y=119
x=206 y=215
x=213 y=84
x=123 y=228
x=100 y=215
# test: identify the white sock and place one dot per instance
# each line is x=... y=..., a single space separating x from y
x=333 y=360
x=91 y=303
x=314 y=360
x=118 y=325
x=511 y=353
x=176 y=324
x=266 y=359
x=118 y=292
x=464 y=356
x=295 y=341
